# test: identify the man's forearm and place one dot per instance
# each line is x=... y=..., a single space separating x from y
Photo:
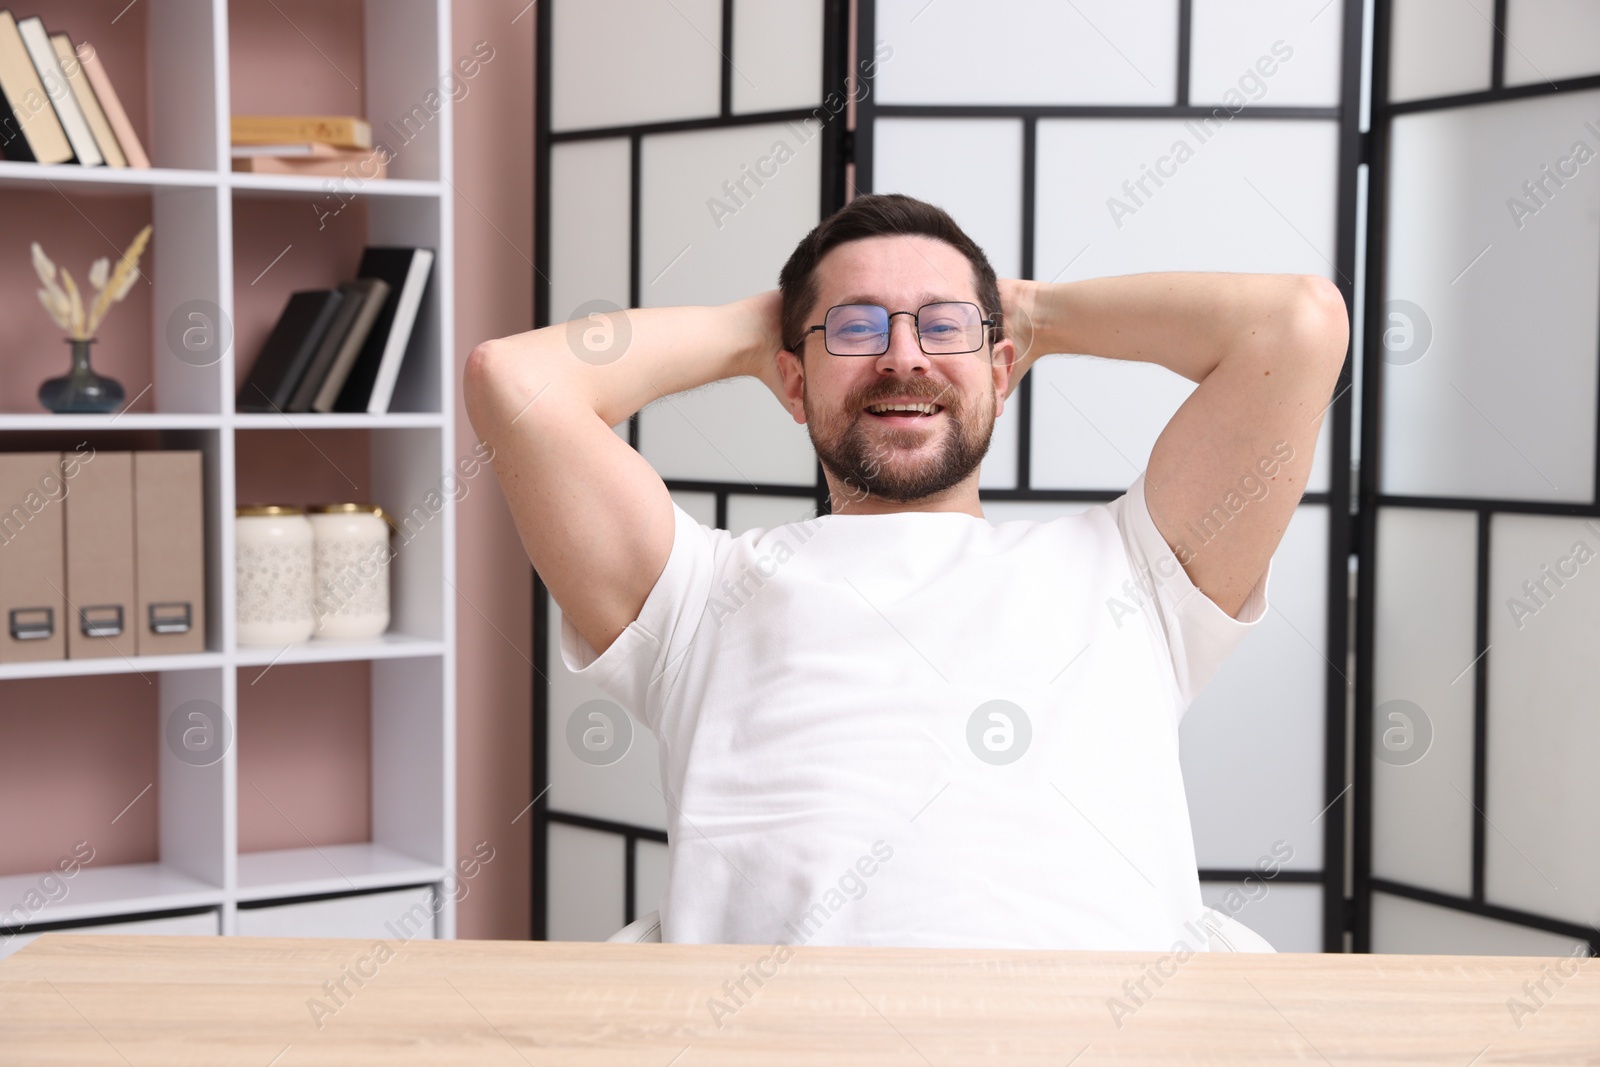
x=1186 y=322
x=619 y=363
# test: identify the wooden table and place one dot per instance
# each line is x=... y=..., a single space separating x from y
x=95 y=999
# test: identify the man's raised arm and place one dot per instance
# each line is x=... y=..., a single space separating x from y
x=595 y=518
x=1265 y=350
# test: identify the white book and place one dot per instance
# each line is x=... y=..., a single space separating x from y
x=57 y=88
x=307 y=148
x=405 y=317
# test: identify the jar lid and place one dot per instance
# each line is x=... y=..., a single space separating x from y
x=334 y=509
x=268 y=509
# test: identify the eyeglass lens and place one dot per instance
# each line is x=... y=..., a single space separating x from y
x=943 y=329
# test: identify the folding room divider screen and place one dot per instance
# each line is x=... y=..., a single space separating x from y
x=1109 y=137
x=1476 y=826
x=1117 y=138
x=661 y=181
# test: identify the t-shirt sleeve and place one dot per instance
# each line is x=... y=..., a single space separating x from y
x=1197 y=633
x=640 y=665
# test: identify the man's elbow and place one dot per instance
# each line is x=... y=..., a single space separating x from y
x=485 y=359
x=483 y=380
x=1318 y=322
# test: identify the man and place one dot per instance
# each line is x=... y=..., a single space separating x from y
x=898 y=723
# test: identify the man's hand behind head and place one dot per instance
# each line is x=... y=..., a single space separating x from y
x=766 y=310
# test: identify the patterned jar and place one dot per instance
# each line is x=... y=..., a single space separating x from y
x=272 y=545
x=352 y=569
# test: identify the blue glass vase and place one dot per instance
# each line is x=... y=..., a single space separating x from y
x=81 y=390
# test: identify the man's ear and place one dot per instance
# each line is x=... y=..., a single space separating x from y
x=1003 y=366
x=792 y=373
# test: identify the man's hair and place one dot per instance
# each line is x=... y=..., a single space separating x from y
x=875 y=215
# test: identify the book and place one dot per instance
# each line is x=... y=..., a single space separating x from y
x=354 y=307
x=92 y=112
x=30 y=132
x=341 y=131
x=56 y=88
x=371 y=382
x=303 y=148
x=328 y=382
x=327 y=345
x=349 y=163
x=289 y=350
x=111 y=104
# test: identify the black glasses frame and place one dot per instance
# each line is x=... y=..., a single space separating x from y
x=992 y=321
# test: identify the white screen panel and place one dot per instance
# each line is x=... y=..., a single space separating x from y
x=986 y=202
x=1542 y=852
x=588 y=870
x=1288 y=915
x=721 y=210
x=1272 y=53
x=1439 y=48
x=701 y=506
x=777 y=55
x=711 y=234
x=748 y=512
x=1256 y=195
x=649 y=877
x=624 y=62
x=589 y=241
x=729 y=431
x=626 y=790
x=1402 y=925
x=1551 y=39
x=1252 y=743
x=1096 y=420
x=1477 y=411
x=1248 y=196
x=1028 y=52
x=1426 y=610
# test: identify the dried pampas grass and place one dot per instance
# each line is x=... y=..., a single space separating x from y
x=63 y=300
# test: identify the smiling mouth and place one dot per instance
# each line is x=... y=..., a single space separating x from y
x=903 y=414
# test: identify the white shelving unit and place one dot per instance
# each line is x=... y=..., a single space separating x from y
x=196 y=204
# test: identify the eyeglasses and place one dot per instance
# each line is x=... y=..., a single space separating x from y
x=949 y=327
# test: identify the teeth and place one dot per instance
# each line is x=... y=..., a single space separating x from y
x=926 y=409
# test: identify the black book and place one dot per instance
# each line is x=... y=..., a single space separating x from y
x=371 y=381
x=14 y=145
x=289 y=350
x=339 y=331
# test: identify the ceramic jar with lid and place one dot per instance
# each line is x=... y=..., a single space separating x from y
x=351 y=549
x=273 y=552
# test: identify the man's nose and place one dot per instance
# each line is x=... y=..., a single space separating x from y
x=905 y=351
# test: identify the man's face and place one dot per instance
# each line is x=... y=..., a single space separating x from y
x=908 y=457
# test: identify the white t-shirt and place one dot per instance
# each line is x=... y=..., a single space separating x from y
x=832 y=762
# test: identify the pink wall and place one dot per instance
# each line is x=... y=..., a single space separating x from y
x=494 y=297
x=98 y=736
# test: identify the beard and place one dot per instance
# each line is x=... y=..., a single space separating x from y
x=900 y=464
